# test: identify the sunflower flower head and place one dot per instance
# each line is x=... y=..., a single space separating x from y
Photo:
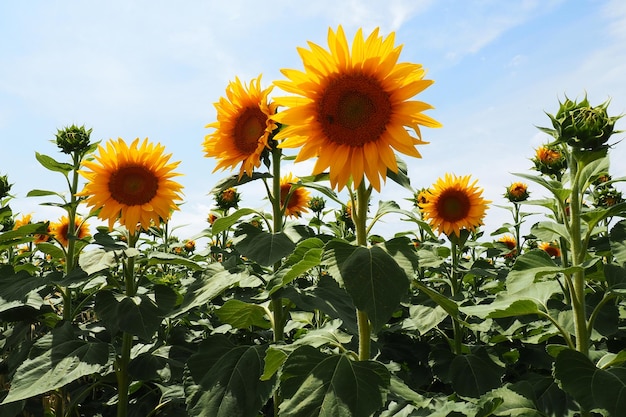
x=227 y=199
x=516 y=192
x=421 y=197
x=551 y=248
x=211 y=218
x=293 y=200
x=243 y=127
x=131 y=184
x=60 y=230
x=43 y=237
x=455 y=204
x=190 y=246
x=23 y=221
x=351 y=108
x=511 y=244
x=550 y=160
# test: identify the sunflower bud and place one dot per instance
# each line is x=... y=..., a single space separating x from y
x=73 y=139
x=228 y=198
x=317 y=204
x=583 y=126
x=550 y=160
x=516 y=192
x=5 y=187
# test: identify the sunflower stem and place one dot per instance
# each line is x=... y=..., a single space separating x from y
x=359 y=218
x=454 y=288
x=121 y=366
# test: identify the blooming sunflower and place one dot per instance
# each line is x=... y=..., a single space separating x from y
x=23 y=221
x=353 y=107
x=59 y=230
x=454 y=204
x=132 y=184
x=511 y=244
x=298 y=201
x=243 y=127
x=551 y=248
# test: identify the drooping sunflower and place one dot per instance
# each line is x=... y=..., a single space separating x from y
x=454 y=204
x=132 y=184
x=352 y=107
x=60 y=229
x=243 y=127
x=298 y=201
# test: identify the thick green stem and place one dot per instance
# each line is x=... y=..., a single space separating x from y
x=454 y=287
x=121 y=368
x=578 y=256
x=360 y=218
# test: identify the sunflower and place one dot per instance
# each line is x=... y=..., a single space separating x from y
x=551 y=248
x=454 y=204
x=421 y=197
x=298 y=201
x=60 y=230
x=23 y=221
x=353 y=107
x=516 y=192
x=243 y=127
x=132 y=184
x=511 y=244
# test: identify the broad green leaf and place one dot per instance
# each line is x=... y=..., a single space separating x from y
x=424 y=318
x=512 y=403
x=57 y=359
x=328 y=297
x=450 y=306
x=225 y=380
x=591 y=387
x=475 y=374
x=14 y=237
x=549 y=231
x=262 y=247
x=242 y=315
x=555 y=187
x=307 y=255
x=316 y=384
x=224 y=223
x=328 y=334
x=51 y=249
x=158 y=258
x=617 y=238
x=401 y=177
x=274 y=359
x=53 y=165
x=595 y=216
x=208 y=285
x=592 y=170
x=531 y=266
x=612 y=359
x=371 y=276
x=19 y=289
x=137 y=315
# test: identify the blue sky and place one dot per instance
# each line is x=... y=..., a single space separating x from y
x=154 y=69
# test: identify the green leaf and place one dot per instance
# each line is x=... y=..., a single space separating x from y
x=19 y=289
x=57 y=359
x=224 y=223
x=234 y=181
x=53 y=165
x=401 y=177
x=475 y=374
x=316 y=384
x=617 y=238
x=163 y=258
x=137 y=315
x=50 y=249
x=549 y=231
x=531 y=266
x=242 y=315
x=591 y=387
x=371 y=276
x=262 y=247
x=328 y=334
x=274 y=359
x=225 y=380
x=555 y=187
x=43 y=193
x=307 y=255
x=208 y=285
x=99 y=260
x=513 y=403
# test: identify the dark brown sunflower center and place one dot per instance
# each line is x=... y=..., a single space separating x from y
x=453 y=205
x=249 y=127
x=133 y=185
x=354 y=109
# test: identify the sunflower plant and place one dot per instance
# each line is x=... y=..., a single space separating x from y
x=300 y=304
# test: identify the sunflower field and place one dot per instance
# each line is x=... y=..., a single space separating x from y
x=303 y=311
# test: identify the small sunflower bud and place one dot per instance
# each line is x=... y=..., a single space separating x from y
x=317 y=204
x=5 y=187
x=228 y=198
x=549 y=160
x=73 y=139
x=516 y=192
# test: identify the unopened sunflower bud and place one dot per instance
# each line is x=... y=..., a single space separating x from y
x=583 y=126
x=73 y=139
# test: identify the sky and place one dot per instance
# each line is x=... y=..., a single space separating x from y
x=146 y=68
